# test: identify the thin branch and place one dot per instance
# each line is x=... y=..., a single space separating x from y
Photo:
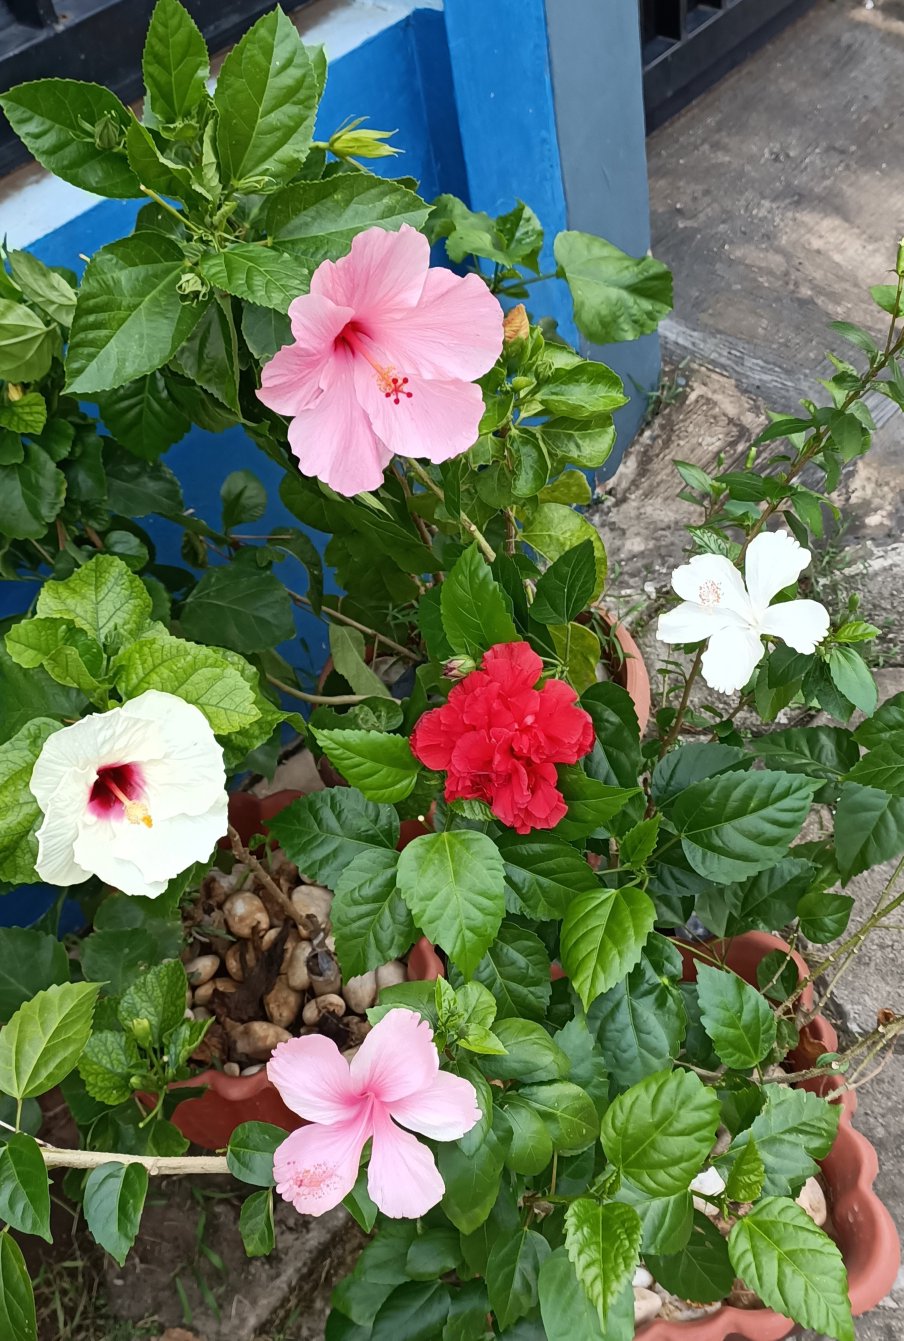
x=156 y=1165
x=282 y=900
x=342 y=699
x=340 y=618
x=482 y=543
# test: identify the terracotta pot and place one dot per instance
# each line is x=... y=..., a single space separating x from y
x=210 y=1119
x=863 y=1228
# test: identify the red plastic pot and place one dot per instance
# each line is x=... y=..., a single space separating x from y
x=863 y=1228
x=632 y=672
x=210 y=1119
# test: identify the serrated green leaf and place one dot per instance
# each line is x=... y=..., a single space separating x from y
x=174 y=64
x=602 y=936
x=324 y=832
x=474 y=611
x=19 y=812
x=453 y=882
x=102 y=597
x=512 y=1274
x=17 y=1302
x=319 y=220
x=616 y=296
x=260 y=275
x=567 y=1111
x=603 y=1244
x=515 y=969
x=554 y=529
x=243 y=609
x=545 y=875
x=112 y=1204
x=381 y=766
x=42 y=1042
x=371 y=921
x=793 y=1130
x=702 y=1270
x=640 y=1022
x=24 y=1187
x=108 y=1062
x=30 y=961
x=56 y=119
x=199 y=675
x=747 y=1175
x=736 y=1017
x=736 y=824
x=659 y=1132
x=158 y=997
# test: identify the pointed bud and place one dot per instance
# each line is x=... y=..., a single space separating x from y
x=354 y=141
x=899 y=263
x=516 y=325
x=456 y=668
x=15 y=391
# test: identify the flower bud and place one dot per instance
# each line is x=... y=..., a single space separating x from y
x=352 y=141
x=108 y=133
x=15 y=391
x=899 y=262
x=456 y=668
x=515 y=325
x=141 y=1030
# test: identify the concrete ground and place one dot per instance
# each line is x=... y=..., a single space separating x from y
x=777 y=199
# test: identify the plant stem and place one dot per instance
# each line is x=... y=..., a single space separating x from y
x=165 y=205
x=56 y=1158
x=282 y=900
x=340 y=618
x=675 y=728
x=486 y=549
x=342 y=699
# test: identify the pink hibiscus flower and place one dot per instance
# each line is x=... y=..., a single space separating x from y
x=385 y=356
x=393 y=1079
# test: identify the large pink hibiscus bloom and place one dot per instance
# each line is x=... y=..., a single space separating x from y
x=385 y=356
x=393 y=1079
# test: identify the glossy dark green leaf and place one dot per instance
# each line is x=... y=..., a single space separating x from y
x=616 y=296
x=243 y=609
x=17 y=1302
x=513 y=1273
x=516 y=970
x=250 y=1152
x=113 y=1202
x=324 y=832
x=256 y=1223
x=736 y=1016
x=174 y=64
x=474 y=611
x=659 y=1132
x=371 y=921
x=702 y=1270
x=61 y=121
x=29 y=962
x=24 y=1187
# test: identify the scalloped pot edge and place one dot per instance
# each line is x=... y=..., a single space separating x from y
x=864 y=1230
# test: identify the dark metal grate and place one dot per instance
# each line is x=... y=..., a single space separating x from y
x=688 y=45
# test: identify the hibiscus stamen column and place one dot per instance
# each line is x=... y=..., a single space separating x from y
x=136 y=812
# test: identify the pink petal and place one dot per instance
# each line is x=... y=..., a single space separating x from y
x=455 y=331
x=315 y=1167
x=333 y=440
x=314 y=1079
x=433 y=419
x=290 y=381
x=397 y=1058
x=444 y=1112
x=402 y=1177
x=381 y=277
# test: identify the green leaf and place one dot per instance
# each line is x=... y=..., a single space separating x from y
x=641 y=1021
x=266 y=97
x=474 y=610
x=592 y=806
x=888 y=717
x=42 y=286
x=531 y=1146
x=113 y=1202
x=324 y=832
x=433 y=1253
x=554 y=529
x=379 y=765
x=62 y=121
x=602 y=936
x=793 y=1266
x=516 y=970
x=736 y=824
x=745 y=1181
x=199 y=675
x=869 y=828
x=824 y=916
x=319 y=220
x=17 y=1301
x=256 y=1223
x=243 y=497
x=174 y=65
x=702 y=1270
x=453 y=882
x=136 y=488
x=880 y=768
x=566 y=587
x=371 y=921
x=820 y=751
x=266 y=277
x=530 y=1053
x=42 y=1042
x=130 y=318
x=580 y=442
x=250 y=1152
x=792 y=1131
x=106 y=1066
x=566 y=1311
x=24 y=1187
x=765 y=902
x=688 y=764
x=603 y=1244
x=567 y=1111
x=616 y=297
x=471 y=1169
x=19 y=812
x=113 y=957
x=210 y=357
x=33 y=491
x=545 y=875
x=347 y=648
x=581 y=391
x=659 y=1132
x=666 y=1221
x=30 y=961
x=244 y=609
x=26 y=344
x=143 y=415
x=512 y=1275
x=852 y=677
x=736 y=1017
x=416 y=1311
x=157 y=997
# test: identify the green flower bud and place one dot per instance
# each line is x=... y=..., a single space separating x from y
x=107 y=132
x=352 y=141
x=456 y=668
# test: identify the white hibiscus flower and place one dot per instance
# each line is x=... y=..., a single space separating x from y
x=134 y=795
x=734 y=613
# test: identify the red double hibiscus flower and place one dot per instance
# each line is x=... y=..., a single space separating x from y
x=499 y=738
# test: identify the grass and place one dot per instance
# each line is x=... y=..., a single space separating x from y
x=71 y=1301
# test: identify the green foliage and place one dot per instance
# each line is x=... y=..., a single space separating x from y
x=453 y=883
x=382 y=767
x=793 y=1131
x=474 y=611
x=736 y=1017
x=616 y=297
x=113 y=1201
x=702 y=1270
x=256 y=1223
x=250 y=1152
x=323 y=833
x=602 y=936
x=371 y=921
x=17 y=1302
x=603 y=1244
x=43 y=1040
x=659 y=1132
x=24 y=1187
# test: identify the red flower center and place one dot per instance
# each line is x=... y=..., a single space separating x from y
x=116 y=794
x=393 y=387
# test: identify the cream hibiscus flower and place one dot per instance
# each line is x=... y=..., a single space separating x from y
x=735 y=613
x=134 y=795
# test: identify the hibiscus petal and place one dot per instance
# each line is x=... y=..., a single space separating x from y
x=142 y=860
x=402 y=1177
x=514 y=665
x=96 y=849
x=434 y=736
x=381 y=277
x=397 y=1058
x=689 y=623
x=444 y=1111
x=774 y=560
x=333 y=441
x=315 y=1167
x=563 y=729
x=313 y=1078
x=801 y=624
x=433 y=419
x=455 y=331
x=187 y=777
x=713 y=581
x=290 y=381
x=82 y=748
x=730 y=659
x=56 y=837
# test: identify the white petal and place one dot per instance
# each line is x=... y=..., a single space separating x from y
x=712 y=580
x=801 y=624
x=95 y=850
x=56 y=839
x=171 y=845
x=774 y=560
x=710 y=1182
x=94 y=742
x=730 y=658
x=689 y=623
x=185 y=775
